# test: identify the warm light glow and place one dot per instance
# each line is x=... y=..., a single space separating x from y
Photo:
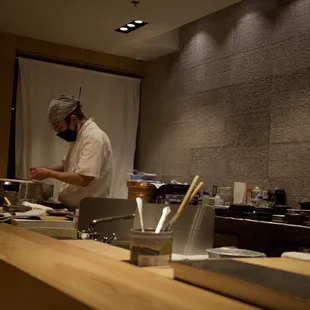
x=131 y=25
x=138 y=21
x=123 y=28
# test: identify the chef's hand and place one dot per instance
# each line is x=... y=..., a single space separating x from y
x=39 y=173
x=33 y=169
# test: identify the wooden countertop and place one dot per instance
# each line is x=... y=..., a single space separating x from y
x=271 y=283
x=118 y=254
x=101 y=248
x=44 y=272
x=281 y=263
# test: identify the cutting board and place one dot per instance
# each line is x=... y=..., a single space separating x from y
x=255 y=284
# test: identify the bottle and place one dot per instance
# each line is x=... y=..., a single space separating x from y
x=205 y=199
x=217 y=200
x=256 y=191
x=249 y=195
x=214 y=190
x=259 y=196
x=226 y=195
x=259 y=199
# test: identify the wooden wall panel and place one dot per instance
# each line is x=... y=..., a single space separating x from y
x=7 y=60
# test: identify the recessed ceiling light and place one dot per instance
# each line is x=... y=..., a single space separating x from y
x=131 y=26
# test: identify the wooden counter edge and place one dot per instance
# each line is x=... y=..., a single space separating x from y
x=88 y=280
x=117 y=253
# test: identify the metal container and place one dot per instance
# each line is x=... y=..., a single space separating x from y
x=294 y=216
x=154 y=193
x=232 y=252
x=226 y=194
x=193 y=232
x=150 y=249
x=142 y=177
x=144 y=189
x=18 y=191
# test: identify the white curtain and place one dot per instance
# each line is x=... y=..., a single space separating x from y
x=111 y=100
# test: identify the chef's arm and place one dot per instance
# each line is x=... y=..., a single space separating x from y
x=71 y=178
x=60 y=168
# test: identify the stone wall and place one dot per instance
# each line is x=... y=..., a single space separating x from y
x=234 y=103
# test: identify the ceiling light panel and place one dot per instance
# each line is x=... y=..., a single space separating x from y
x=131 y=26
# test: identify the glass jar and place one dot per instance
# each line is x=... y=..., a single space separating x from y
x=226 y=194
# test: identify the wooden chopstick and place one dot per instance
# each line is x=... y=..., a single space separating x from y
x=8 y=202
x=184 y=203
x=197 y=189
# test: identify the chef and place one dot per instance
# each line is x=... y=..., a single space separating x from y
x=87 y=168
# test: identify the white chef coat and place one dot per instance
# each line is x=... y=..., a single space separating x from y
x=90 y=155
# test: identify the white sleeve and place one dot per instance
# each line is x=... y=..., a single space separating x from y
x=90 y=158
x=65 y=161
x=65 y=158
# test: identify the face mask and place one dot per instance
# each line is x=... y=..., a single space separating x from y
x=68 y=134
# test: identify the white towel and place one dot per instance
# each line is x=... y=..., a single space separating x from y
x=297 y=255
x=35 y=206
x=30 y=213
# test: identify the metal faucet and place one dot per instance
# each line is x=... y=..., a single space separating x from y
x=90 y=233
x=93 y=223
x=109 y=239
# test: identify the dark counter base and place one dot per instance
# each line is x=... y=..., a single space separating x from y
x=270 y=238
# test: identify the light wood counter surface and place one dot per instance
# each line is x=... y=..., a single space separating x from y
x=271 y=283
x=101 y=248
x=40 y=272
x=282 y=263
x=118 y=254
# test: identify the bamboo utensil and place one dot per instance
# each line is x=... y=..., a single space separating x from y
x=184 y=203
x=8 y=202
x=195 y=192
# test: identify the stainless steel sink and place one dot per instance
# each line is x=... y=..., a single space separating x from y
x=109 y=219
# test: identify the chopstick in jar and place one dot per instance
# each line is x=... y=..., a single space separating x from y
x=184 y=203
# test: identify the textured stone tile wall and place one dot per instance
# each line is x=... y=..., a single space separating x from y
x=234 y=103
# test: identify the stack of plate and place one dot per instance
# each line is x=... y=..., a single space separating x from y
x=280 y=209
x=263 y=214
x=278 y=218
x=236 y=211
x=306 y=217
x=293 y=216
x=221 y=210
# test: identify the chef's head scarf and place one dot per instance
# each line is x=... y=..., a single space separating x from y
x=60 y=108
